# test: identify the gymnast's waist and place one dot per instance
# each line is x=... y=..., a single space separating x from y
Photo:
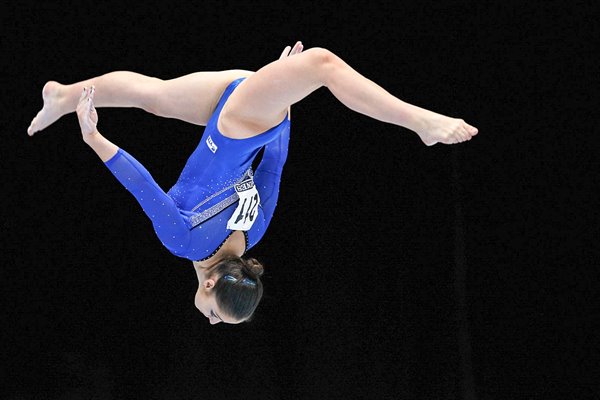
x=216 y=202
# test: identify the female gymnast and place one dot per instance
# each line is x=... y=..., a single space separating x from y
x=219 y=208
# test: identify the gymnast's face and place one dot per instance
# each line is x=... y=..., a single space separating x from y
x=206 y=303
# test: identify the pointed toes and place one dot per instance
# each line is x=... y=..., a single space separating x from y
x=472 y=130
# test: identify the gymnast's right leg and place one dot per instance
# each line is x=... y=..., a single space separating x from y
x=190 y=98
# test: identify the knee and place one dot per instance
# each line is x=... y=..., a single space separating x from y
x=320 y=54
x=325 y=60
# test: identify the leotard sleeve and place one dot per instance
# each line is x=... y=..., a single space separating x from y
x=267 y=179
x=169 y=225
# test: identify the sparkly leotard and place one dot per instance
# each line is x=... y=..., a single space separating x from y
x=191 y=219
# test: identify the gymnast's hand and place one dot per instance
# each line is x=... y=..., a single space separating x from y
x=297 y=49
x=86 y=113
x=285 y=54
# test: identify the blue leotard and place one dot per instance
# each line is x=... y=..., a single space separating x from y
x=191 y=219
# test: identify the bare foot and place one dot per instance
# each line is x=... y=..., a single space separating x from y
x=441 y=129
x=52 y=110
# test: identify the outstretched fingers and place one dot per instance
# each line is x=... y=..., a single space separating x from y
x=83 y=94
x=289 y=51
x=86 y=112
x=297 y=48
x=82 y=104
x=285 y=52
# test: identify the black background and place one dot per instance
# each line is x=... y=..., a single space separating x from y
x=360 y=284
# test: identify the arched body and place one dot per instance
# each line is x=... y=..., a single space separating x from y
x=243 y=111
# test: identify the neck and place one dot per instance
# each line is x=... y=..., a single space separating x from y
x=233 y=247
x=202 y=266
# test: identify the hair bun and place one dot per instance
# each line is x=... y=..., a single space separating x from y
x=253 y=267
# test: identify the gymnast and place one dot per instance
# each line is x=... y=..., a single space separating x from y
x=219 y=208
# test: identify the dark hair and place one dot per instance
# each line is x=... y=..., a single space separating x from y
x=238 y=288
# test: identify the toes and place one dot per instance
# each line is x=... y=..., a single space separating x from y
x=30 y=130
x=471 y=129
x=462 y=134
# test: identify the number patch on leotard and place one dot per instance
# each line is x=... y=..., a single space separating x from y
x=247 y=210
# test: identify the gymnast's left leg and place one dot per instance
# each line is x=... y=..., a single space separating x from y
x=261 y=101
x=190 y=98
